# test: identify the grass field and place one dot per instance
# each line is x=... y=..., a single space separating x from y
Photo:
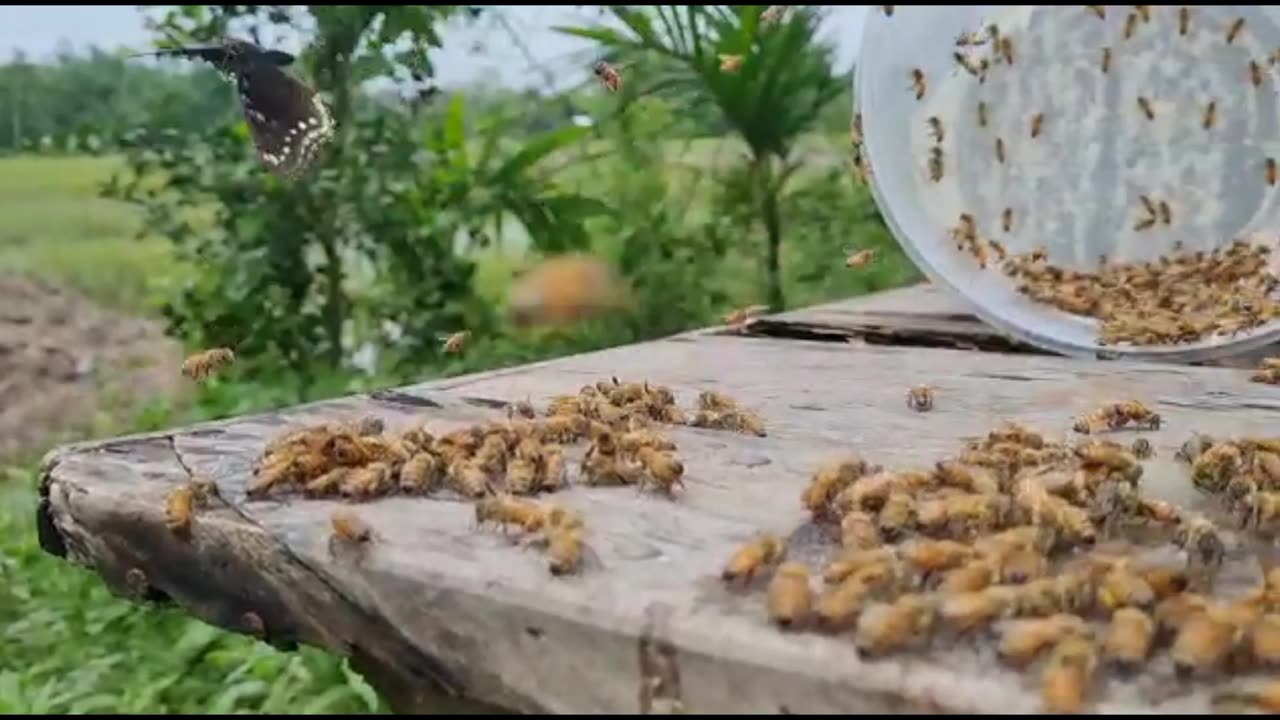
x=68 y=645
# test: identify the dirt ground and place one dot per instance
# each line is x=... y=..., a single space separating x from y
x=64 y=361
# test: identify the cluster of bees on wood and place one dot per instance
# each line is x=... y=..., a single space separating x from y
x=1179 y=298
x=498 y=466
x=1042 y=546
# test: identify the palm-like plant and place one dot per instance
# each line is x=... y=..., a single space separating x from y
x=786 y=78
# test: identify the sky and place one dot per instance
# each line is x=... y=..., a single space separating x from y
x=485 y=54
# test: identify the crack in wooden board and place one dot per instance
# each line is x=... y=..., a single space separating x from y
x=511 y=635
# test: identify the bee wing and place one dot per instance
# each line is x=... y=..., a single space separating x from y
x=288 y=121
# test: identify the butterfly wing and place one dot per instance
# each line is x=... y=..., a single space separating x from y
x=289 y=123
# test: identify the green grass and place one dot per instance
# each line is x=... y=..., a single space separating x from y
x=55 y=225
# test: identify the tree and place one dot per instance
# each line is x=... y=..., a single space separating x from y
x=777 y=95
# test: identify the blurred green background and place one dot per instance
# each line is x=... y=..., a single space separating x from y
x=134 y=186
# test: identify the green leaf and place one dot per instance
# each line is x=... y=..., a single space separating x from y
x=537 y=149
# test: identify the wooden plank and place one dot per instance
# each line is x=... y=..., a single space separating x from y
x=926 y=315
x=444 y=609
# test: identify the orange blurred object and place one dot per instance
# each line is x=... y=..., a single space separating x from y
x=565 y=289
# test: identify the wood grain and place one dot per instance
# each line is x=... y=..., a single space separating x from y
x=438 y=604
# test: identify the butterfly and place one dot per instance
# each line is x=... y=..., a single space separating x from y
x=289 y=123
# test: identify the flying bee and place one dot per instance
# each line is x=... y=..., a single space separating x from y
x=608 y=75
x=935 y=164
x=1000 y=149
x=1255 y=73
x=1166 y=213
x=730 y=63
x=982 y=113
x=936 y=130
x=1145 y=106
x=1023 y=640
x=790 y=598
x=1210 y=115
x=1006 y=219
x=920 y=398
x=766 y=549
x=860 y=258
x=1130 y=24
x=1006 y=50
x=1069 y=675
x=206 y=363
x=1184 y=21
x=457 y=342
x=1099 y=10
x=886 y=627
x=1037 y=121
x=1234 y=31
x=1271 y=171
x=918 y=83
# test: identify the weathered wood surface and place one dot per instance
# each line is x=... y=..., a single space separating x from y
x=438 y=607
x=921 y=315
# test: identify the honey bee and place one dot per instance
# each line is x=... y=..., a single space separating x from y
x=860 y=259
x=744 y=316
x=421 y=473
x=206 y=363
x=564 y=550
x=1106 y=59
x=962 y=514
x=1213 y=468
x=1234 y=31
x=369 y=481
x=1260 y=510
x=829 y=480
x=971 y=577
x=858 y=531
x=1144 y=11
x=971 y=478
x=840 y=604
x=1128 y=639
x=886 y=627
x=1271 y=171
x=918 y=83
x=920 y=398
x=1184 y=21
x=935 y=164
x=790 y=598
x=896 y=516
x=1166 y=213
x=1204 y=642
x=1145 y=106
x=982 y=113
x=468 y=479
x=664 y=468
x=967 y=611
x=1000 y=149
x=1255 y=73
x=1165 y=582
x=1099 y=10
x=1121 y=587
x=935 y=129
x=929 y=557
x=976 y=70
x=1141 y=449
x=1006 y=219
x=554 y=471
x=457 y=342
x=853 y=562
x=1264 y=640
x=1069 y=675
x=730 y=63
x=506 y=511
x=348 y=528
x=1265 y=697
x=179 y=509
x=608 y=75
x=888 y=10
x=1037 y=121
x=1023 y=640
x=1130 y=24
x=1199 y=538
x=1114 y=416
x=766 y=549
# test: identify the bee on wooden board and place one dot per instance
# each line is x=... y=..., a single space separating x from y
x=764 y=550
x=935 y=129
x=888 y=10
x=1023 y=640
x=206 y=363
x=982 y=113
x=1271 y=171
x=935 y=164
x=1234 y=30
x=1130 y=24
x=859 y=258
x=565 y=550
x=457 y=342
x=1210 y=115
x=1099 y=10
x=1184 y=21
x=1069 y=675
x=348 y=529
x=790 y=597
x=1037 y=121
x=920 y=398
x=918 y=83
x=1145 y=106
x=1144 y=11
x=1106 y=59
x=1255 y=73
x=179 y=509
x=608 y=75
x=887 y=627
x=1000 y=149
x=1166 y=213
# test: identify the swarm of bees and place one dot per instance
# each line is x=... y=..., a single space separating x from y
x=1001 y=539
x=1152 y=302
x=1268 y=371
x=1244 y=474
